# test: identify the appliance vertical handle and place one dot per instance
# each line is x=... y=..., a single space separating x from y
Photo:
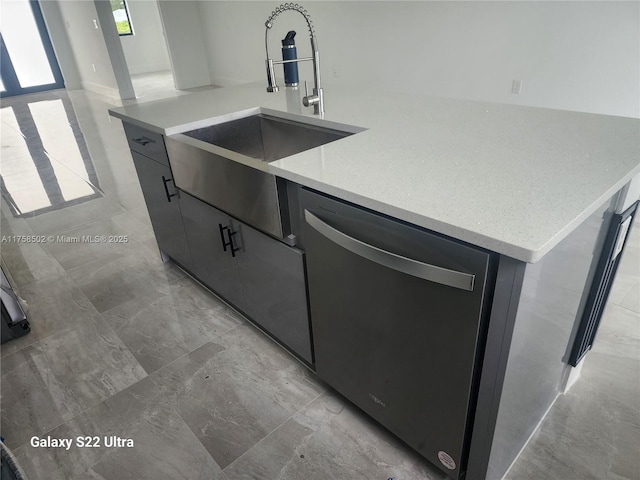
x=409 y=266
x=166 y=189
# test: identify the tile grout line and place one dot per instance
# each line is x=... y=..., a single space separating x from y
x=46 y=277
x=106 y=325
x=243 y=323
x=626 y=309
x=88 y=223
x=197 y=348
x=84 y=224
x=324 y=391
x=87 y=410
x=28 y=223
x=64 y=274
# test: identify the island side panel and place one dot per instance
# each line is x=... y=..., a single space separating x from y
x=550 y=305
x=504 y=307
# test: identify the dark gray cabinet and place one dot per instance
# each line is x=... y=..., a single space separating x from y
x=274 y=286
x=149 y=144
x=210 y=235
x=163 y=205
x=259 y=275
x=256 y=273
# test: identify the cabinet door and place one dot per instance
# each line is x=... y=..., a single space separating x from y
x=164 y=209
x=274 y=287
x=208 y=232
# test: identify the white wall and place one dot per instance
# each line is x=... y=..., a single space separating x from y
x=61 y=46
x=114 y=48
x=146 y=51
x=88 y=46
x=582 y=56
x=181 y=21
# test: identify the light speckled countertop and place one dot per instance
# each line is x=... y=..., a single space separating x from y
x=515 y=180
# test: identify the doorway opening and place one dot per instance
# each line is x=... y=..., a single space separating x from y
x=27 y=61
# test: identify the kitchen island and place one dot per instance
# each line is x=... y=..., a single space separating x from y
x=536 y=188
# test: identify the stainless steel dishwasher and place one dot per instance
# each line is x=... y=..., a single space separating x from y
x=397 y=318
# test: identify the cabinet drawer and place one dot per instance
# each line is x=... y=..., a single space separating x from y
x=147 y=143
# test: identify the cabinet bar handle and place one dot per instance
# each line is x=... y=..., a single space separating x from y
x=142 y=141
x=166 y=190
x=234 y=249
x=432 y=273
x=228 y=242
x=225 y=244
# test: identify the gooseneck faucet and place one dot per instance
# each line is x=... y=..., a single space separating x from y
x=317 y=95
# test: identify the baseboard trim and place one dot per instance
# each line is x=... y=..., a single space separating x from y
x=149 y=68
x=228 y=82
x=109 y=92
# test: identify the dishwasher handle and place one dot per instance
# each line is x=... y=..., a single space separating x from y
x=432 y=273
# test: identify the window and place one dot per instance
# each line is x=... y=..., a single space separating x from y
x=121 y=16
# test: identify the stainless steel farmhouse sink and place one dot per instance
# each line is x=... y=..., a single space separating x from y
x=266 y=137
x=225 y=164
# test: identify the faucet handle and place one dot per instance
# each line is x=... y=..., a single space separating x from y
x=309 y=100
x=272 y=86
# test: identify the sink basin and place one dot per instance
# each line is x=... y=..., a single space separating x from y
x=242 y=188
x=266 y=137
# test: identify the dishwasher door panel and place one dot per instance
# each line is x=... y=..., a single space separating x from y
x=399 y=346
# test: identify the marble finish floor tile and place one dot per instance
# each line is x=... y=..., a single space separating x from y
x=128 y=194
x=27 y=261
x=58 y=221
x=53 y=305
x=626 y=286
x=33 y=400
x=163 y=445
x=330 y=439
x=630 y=261
x=619 y=333
x=61 y=376
x=234 y=391
x=108 y=282
x=10 y=225
x=142 y=214
x=622 y=286
x=117 y=236
x=93 y=362
x=159 y=330
x=593 y=431
x=631 y=300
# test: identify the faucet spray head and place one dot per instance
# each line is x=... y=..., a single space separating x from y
x=317 y=98
x=294 y=7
